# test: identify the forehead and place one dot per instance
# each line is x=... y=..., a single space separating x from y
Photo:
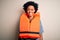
x=30 y=7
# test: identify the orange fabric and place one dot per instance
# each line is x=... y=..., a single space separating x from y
x=29 y=35
x=25 y=25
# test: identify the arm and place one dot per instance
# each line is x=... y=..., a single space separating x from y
x=41 y=37
x=41 y=31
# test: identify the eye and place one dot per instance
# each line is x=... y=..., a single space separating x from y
x=31 y=9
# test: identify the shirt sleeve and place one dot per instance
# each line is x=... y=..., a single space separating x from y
x=41 y=28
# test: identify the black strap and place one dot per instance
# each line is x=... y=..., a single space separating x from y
x=31 y=32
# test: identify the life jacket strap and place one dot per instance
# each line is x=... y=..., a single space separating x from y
x=30 y=32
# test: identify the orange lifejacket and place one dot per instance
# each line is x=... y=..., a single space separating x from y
x=29 y=29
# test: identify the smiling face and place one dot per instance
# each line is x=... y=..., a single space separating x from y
x=30 y=10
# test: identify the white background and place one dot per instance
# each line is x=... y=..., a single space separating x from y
x=10 y=11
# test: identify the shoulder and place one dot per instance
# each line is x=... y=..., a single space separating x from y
x=23 y=15
x=37 y=14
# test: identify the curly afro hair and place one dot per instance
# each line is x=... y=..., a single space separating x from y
x=25 y=6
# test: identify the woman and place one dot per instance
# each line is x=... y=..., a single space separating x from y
x=30 y=31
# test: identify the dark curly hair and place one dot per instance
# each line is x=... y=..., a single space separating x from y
x=25 y=6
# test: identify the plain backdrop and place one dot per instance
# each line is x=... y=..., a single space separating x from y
x=10 y=11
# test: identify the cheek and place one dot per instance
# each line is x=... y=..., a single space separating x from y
x=27 y=11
